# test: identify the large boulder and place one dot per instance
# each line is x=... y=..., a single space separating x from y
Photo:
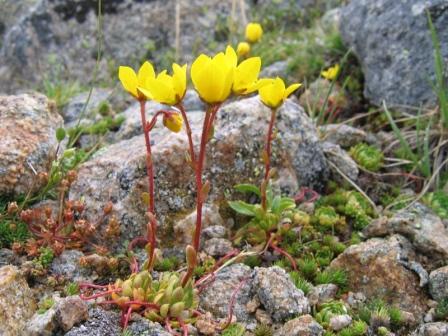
x=17 y=303
x=28 y=124
x=118 y=172
x=59 y=37
x=378 y=269
x=393 y=44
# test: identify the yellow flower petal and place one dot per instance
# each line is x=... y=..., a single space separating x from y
x=179 y=80
x=145 y=72
x=291 y=89
x=231 y=56
x=128 y=79
x=246 y=75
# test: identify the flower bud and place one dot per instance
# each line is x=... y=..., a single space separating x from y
x=71 y=176
x=243 y=49
x=173 y=121
x=191 y=256
x=12 y=208
x=254 y=31
x=108 y=208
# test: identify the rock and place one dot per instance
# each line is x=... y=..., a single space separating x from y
x=322 y=293
x=392 y=41
x=132 y=124
x=68 y=29
x=339 y=322
x=281 y=299
x=432 y=329
x=143 y=327
x=438 y=283
x=276 y=69
x=263 y=317
x=301 y=326
x=118 y=172
x=217 y=247
x=192 y=102
x=374 y=268
x=11 y=10
x=215 y=298
x=7 y=257
x=340 y=158
x=100 y=322
x=28 y=124
x=184 y=228
x=343 y=135
x=67 y=265
x=72 y=111
x=63 y=315
x=331 y=20
x=356 y=300
x=213 y=231
x=422 y=227
x=17 y=303
x=70 y=311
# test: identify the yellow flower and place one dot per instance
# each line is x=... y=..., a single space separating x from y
x=131 y=81
x=243 y=49
x=166 y=89
x=253 y=32
x=246 y=76
x=331 y=73
x=275 y=93
x=213 y=77
x=173 y=121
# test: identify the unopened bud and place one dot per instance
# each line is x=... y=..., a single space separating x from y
x=108 y=208
x=191 y=256
x=12 y=208
x=173 y=121
x=71 y=176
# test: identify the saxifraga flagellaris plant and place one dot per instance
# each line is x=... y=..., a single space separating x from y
x=172 y=300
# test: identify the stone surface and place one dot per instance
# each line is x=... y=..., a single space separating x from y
x=217 y=247
x=422 y=227
x=57 y=34
x=301 y=326
x=28 y=124
x=184 y=228
x=215 y=298
x=339 y=322
x=322 y=293
x=118 y=172
x=438 y=283
x=432 y=329
x=281 y=299
x=17 y=303
x=374 y=268
x=343 y=135
x=72 y=111
x=62 y=316
x=393 y=44
x=213 y=231
x=342 y=160
x=67 y=265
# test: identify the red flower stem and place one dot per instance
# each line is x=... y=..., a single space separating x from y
x=150 y=173
x=126 y=317
x=267 y=158
x=183 y=326
x=286 y=254
x=89 y=285
x=86 y=298
x=232 y=303
x=180 y=106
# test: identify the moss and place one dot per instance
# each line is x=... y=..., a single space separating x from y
x=167 y=264
x=334 y=276
x=12 y=231
x=300 y=282
x=378 y=313
x=72 y=288
x=368 y=157
x=46 y=256
x=235 y=329
x=438 y=202
x=308 y=267
x=45 y=305
x=263 y=330
x=328 y=310
x=441 y=311
x=252 y=261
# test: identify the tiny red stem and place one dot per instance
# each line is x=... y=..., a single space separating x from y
x=180 y=106
x=286 y=254
x=267 y=157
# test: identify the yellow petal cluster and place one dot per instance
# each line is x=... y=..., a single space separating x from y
x=132 y=81
x=274 y=93
x=253 y=32
x=166 y=89
x=173 y=121
x=243 y=49
x=213 y=76
x=331 y=73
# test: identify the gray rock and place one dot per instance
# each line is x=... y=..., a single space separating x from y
x=72 y=111
x=68 y=29
x=143 y=327
x=273 y=70
x=432 y=329
x=281 y=299
x=322 y=293
x=17 y=302
x=422 y=227
x=215 y=298
x=393 y=44
x=301 y=326
x=214 y=231
x=374 y=268
x=340 y=158
x=7 y=257
x=217 y=247
x=28 y=124
x=438 y=283
x=101 y=322
x=339 y=322
x=343 y=135
x=192 y=102
x=118 y=172
x=63 y=315
x=67 y=265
